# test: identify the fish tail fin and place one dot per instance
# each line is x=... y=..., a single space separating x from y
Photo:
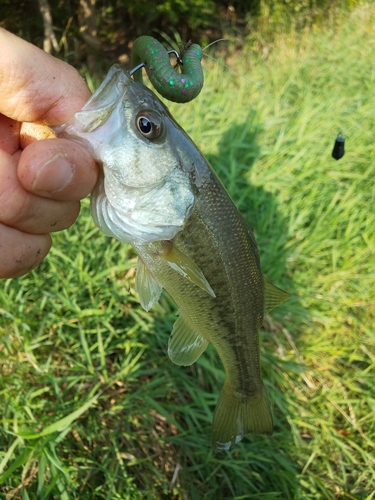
x=235 y=417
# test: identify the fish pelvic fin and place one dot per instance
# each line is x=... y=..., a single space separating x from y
x=185 y=344
x=273 y=296
x=235 y=417
x=147 y=287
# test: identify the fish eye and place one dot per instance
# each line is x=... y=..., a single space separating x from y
x=149 y=125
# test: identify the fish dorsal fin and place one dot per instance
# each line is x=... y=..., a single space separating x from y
x=186 y=267
x=273 y=296
x=185 y=344
x=147 y=287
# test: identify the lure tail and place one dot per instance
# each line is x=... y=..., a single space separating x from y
x=234 y=418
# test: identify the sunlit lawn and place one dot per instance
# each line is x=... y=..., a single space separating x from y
x=91 y=407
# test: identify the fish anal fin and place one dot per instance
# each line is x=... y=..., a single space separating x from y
x=273 y=296
x=235 y=417
x=147 y=287
x=185 y=266
x=185 y=344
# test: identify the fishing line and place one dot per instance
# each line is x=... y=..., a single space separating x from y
x=338 y=150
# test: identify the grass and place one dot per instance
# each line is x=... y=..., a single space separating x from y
x=91 y=407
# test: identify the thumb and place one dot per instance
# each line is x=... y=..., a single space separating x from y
x=58 y=169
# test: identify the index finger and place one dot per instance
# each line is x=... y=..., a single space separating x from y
x=35 y=85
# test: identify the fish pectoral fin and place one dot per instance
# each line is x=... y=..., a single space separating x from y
x=186 y=267
x=273 y=296
x=147 y=287
x=185 y=344
x=235 y=417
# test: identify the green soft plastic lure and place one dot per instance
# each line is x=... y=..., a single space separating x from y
x=174 y=86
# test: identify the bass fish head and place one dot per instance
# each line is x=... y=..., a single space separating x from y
x=145 y=191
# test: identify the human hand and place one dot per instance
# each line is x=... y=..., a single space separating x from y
x=41 y=180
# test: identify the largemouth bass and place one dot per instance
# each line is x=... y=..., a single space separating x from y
x=158 y=192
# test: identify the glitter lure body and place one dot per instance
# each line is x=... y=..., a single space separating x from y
x=174 y=86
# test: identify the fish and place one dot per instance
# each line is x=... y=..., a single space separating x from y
x=157 y=192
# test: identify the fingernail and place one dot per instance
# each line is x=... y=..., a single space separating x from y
x=54 y=175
